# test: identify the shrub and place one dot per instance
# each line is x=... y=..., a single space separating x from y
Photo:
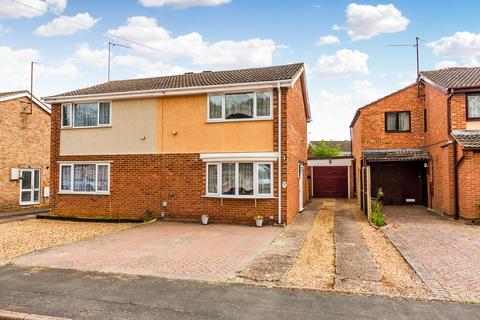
x=377 y=214
x=148 y=215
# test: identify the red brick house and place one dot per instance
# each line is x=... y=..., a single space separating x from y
x=185 y=145
x=24 y=151
x=422 y=143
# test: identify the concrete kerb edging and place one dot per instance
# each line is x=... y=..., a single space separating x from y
x=11 y=315
x=435 y=287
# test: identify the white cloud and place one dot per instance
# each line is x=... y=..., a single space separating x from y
x=15 y=66
x=446 y=64
x=327 y=40
x=180 y=4
x=461 y=44
x=332 y=112
x=366 y=21
x=343 y=63
x=252 y=52
x=92 y=57
x=65 y=25
x=32 y=8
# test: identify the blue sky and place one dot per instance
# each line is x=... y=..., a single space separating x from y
x=347 y=68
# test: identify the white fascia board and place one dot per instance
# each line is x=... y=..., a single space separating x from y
x=168 y=92
x=239 y=156
x=330 y=162
x=27 y=95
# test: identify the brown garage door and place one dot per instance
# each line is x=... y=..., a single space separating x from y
x=330 y=182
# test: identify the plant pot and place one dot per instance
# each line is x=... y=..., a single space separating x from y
x=259 y=222
x=204 y=219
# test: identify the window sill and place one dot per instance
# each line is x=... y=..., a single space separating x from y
x=84 y=193
x=91 y=127
x=239 y=120
x=238 y=197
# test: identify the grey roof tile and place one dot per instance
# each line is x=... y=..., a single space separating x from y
x=188 y=80
x=405 y=154
x=454 y=78
x=468 y=139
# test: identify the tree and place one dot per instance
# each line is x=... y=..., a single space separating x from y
x=324 y=150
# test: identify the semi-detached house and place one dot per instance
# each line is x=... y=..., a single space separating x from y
x=185 y=145
x=422 y=143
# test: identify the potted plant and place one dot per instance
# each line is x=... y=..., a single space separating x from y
x=204 y=218
x=258 y=220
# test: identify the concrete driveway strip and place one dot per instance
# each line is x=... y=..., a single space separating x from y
x=177 y=250
x=90 y=295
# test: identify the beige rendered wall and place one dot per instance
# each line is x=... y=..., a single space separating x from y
x=183 y=128
x=133 y=131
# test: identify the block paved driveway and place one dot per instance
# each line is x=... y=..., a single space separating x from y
x=445 y=253
x=177 y=250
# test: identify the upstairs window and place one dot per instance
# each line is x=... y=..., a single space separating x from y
x=240 y=106
x=397 y=121
x=473 y=106
x=80 y=115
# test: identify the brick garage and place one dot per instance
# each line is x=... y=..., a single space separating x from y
x=438 y=111
x=24 y=143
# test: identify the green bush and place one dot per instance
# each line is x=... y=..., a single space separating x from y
x=377 y=214
x=148 y=216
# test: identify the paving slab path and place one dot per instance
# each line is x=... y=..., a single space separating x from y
x=444 y=253
x=354 y=263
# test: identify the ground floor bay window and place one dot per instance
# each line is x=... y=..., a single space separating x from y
x=239 y=179
x=90 y=178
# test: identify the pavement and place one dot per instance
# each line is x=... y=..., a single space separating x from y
x=20 y=214
x=90 y=295
x=175 y=250
x=444 y=253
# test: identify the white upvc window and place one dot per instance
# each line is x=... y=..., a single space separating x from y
x=84 y=178
x=240 y=106
x=86 y=115
x=239 y=179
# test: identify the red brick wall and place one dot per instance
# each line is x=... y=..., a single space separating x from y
x=373 y=134
x=24 y=143
x=441 y=164
x=296 y=137
x=469 y=185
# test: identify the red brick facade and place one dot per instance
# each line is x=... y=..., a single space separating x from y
x=24 y=143
x=144 y=182
x=368 y=133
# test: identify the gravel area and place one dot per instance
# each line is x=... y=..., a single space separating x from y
x=398 y=278
x=314 y=266
x=20 y=237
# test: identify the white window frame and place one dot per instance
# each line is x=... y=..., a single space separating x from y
x=33 y=189
x=69 y=106
x=72 y=165
x=255 y=117
x=255 y=195
x=72 y=115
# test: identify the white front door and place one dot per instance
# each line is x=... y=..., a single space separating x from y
x=30 y=186
x=300 y=187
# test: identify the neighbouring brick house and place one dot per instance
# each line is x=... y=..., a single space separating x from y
x=422 y=143
x=24 y=151
x=184 y=145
